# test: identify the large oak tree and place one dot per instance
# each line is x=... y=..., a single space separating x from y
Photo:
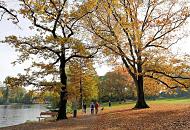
x=57 y=41
x=141 y=34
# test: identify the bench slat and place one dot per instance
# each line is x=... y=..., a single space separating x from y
x=43 y=115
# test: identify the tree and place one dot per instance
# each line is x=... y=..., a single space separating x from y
x=116 y=85
x=56 y=43
x=14 y=91
x=141 y=34
x=152 y=88
x=28 y=97
x=83 y=82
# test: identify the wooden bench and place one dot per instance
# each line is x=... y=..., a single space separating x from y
x=47 y=114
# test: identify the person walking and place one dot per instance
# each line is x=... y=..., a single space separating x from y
x=84 y=107
x=96 y=107
x=109 y=103
x=92 y=107
x=74 y=106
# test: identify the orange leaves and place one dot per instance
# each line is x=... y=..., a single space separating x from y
x=185 y=12
x=152 y=87
x=163 y=21
x=43 y=66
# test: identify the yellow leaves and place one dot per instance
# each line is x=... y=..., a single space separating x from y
x=80 y=48
x=174 y=60
x=185 y=12
x=117 y=30
x=115 y=2
x=24 y=11
x=57 y=40
x=91 y=4
x=85 y=8
x=13 y=82
x=82 y=75
x=1 y=94
x=48 y=67
x=11 y=38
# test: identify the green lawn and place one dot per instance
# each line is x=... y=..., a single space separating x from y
x=131 y=104
x=170 y=101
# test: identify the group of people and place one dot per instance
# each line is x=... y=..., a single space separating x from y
x=93 y=107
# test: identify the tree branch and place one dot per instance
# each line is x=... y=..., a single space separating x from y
x=9 y=12
x=82 y=56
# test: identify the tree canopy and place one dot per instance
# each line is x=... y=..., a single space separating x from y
x=141 y=35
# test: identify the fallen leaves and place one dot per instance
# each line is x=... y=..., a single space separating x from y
x=158 y=117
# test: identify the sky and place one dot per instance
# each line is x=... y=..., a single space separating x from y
x=8 y=54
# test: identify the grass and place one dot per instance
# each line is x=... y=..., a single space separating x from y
x=170 y=101
x=131 y=104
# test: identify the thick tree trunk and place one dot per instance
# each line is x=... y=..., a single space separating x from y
x=62 y=113
x=138 y=79
x=141 y=103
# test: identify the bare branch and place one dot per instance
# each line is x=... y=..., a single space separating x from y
x=9 y=12
x=82 y=56
x=164 y=83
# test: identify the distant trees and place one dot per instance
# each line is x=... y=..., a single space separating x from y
x=116 y=85
x=175 y=93
x=11 y=92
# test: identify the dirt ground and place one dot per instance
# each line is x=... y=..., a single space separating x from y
x=158 y=117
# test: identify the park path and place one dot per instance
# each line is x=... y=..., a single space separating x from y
x=158 y=117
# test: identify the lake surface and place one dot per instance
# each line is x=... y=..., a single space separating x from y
x=16 y=114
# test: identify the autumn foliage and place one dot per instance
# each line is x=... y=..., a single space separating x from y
x=137 y=34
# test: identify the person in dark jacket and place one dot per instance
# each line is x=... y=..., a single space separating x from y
x=92 y=107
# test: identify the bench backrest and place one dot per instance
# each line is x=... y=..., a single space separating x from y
x=49 y=113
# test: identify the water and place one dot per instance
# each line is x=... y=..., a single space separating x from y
x=17 y=114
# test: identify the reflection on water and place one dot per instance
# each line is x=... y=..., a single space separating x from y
x=17 y=114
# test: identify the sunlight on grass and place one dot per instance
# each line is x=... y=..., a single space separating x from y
x=131 y=104
x=170 y=101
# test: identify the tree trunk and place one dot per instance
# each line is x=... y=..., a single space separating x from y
x=62 y=113
x=141 y=103
x=138 y=79
x=81 y=94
